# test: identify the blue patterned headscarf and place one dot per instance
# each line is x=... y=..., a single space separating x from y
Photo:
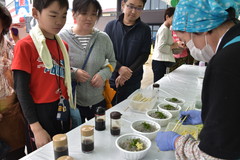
x=202 y=15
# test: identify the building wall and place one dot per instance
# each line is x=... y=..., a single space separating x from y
x=103 y=22
x=153 y=16
x=147 y=16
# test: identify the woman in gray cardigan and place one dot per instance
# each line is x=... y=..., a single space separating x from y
x=83 y=38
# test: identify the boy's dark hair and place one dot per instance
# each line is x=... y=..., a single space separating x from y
x=42 y=4
x=144 y=1
x=81 y=6
x=169 y=12
x=6 y=19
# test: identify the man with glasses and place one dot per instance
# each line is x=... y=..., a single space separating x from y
x=132 y=42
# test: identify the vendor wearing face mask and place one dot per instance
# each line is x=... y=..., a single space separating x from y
x=211 y=30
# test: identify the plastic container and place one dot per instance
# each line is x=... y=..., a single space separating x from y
x=115 y=123
x=175 y=113
x=142 y=100
x=150 y=135
x=100 y=123
x=65 y=158
x=156 y=88
x=174 y=100
x=87 y=138
x=184 y=129
x=162 y=122
x=60 y=145
x=133 y=155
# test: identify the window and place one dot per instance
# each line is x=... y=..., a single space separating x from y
x=155 y=5
x=154 y=29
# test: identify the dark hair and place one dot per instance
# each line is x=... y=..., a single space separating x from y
x=6 y=19
x=42 y=4
x=144 y=1
x=232 y=15
x=81 y=6
x=169 y=12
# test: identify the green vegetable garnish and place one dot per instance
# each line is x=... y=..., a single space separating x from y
x=134 y=142
x=160 y=115
x=169 y=107
x=146 y=125
x=174 y=99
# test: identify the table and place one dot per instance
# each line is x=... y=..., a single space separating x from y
x=182 y=83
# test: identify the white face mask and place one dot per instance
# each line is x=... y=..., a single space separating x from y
x=204 y=54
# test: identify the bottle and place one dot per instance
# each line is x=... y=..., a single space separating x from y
x=115 y=123
x=100 y=119
x=60 y=145
x=156 y=87
x=65 y=158
x=87 y=138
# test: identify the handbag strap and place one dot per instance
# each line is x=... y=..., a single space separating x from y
x=89 y=52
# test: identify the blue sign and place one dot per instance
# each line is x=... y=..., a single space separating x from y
x=22 y=7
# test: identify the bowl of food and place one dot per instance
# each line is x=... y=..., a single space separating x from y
x=133 y=146
x=146 y=128
x=174 y=100
x=183 y=129
x=162 y=117
x=198 y=105
x=174 y=109
x=142 y=100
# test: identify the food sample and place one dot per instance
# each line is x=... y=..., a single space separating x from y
x=145 y=127
x=174 y=100
x=169 y=107
x=158 y=114
x=133 y=145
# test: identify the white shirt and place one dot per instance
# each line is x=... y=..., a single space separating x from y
x=162 y=49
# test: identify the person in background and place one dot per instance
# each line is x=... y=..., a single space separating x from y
x=163 y=55
x=180 y=54
x=212 y=35
x=132 y=43
x=84 y=39
x=15 y=34
x=12 y=134
x=42 y=75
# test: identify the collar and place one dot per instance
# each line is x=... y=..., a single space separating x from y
x=120 y=18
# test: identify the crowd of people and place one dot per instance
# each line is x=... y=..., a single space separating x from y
x=53 y=72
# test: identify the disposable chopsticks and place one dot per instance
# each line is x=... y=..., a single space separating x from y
x=180 y=121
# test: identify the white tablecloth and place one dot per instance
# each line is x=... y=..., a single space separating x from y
x=181 y=83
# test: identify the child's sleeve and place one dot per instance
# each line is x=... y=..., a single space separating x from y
x=22 y=57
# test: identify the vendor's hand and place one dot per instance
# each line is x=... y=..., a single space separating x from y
x=97 y=81
x=40 y=135
x=82 y=76
x=125 y=73
x=166 y=140
x=193 y=117
x=1 y=117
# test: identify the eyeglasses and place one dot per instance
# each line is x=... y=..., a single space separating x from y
x=132 y=7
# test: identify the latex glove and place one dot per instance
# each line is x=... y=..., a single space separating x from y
x=165 y=140
x=193 y=117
